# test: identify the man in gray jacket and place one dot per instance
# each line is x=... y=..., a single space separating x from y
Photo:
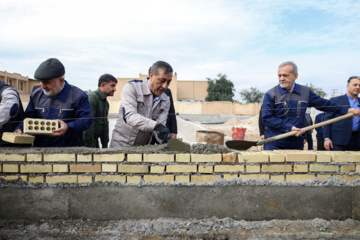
x=144 y=109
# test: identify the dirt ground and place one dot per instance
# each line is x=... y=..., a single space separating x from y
x=166 y=228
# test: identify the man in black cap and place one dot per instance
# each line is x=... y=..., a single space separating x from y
x=56 y=99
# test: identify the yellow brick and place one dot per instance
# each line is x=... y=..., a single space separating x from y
x=348 y=168
x=323 y=157
x=206 y=157
x=0 y=168
x=60 y=168
x=133 y=168
x=229 y=157
x=346 y=157
x=206 y=169
x=85 y=168
x=110 y=178
x=323 y=168
x=157 y=169
x=36 y=168
x=84 y=179
x=59 y=157
x=253 y=157
x=182 y=157
x=5 y=157
x=116 y=157
x=84 y=158
x=10 y=168
x=108 y=167
x=229 y=168
x=158 y=157
x=40 y=126
x=276 y=168
x=347 y=177
x=254 y=176
x=181 y=168
x=252 y=168
x=204 y=178
x=18 y=138
x=321 y=177
x=230 y=176
x=182 y=178
x=357 y=168
x=299 y=156
x=300 y=177
x=158 y=178
x=61 y=179
x=34 y=157
x=133 y=179
x=36 y=179
x=276 y=157
x=132 y=157
x=278 y=178
x=16 y=177
x=300 y=168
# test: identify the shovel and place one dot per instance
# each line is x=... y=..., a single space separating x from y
x=245 y=145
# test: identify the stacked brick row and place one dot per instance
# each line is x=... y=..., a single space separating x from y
x=134 y=168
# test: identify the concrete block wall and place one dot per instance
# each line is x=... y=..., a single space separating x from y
x=287 y=165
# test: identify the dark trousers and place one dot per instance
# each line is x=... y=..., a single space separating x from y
x=320 y=145
x=353 y=145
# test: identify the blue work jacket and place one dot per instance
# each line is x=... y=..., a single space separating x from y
x=71 y=105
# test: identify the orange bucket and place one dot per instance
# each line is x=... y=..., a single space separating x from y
x=238 y=133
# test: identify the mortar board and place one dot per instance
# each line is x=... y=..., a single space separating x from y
x=49 y=69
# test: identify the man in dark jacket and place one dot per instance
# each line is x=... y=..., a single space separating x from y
x=100 y=110
x=57 y=99
x=171 y=123
x=344 y=135
x=11 y=110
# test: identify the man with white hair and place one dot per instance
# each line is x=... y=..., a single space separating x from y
x=57 y=99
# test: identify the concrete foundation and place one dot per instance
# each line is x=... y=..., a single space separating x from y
x=151 y=202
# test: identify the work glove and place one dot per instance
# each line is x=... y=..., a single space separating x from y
x=163 y=132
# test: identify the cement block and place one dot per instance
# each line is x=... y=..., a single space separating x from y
x=36 y=126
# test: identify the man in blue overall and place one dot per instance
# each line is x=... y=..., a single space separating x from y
x=284 y=108
x=57 y=99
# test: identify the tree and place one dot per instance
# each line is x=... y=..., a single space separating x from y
x=220 y=89
x=252 y=95
x=316 y=90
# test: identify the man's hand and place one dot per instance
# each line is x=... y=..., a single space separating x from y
x=163 y=132
x=328 y=145
x=355 y=111
x=262 y=137
x=18 y=131
x=299 y=130
x=61 y=131
x=173 y=135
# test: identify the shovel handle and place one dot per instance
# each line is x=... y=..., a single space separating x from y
x=292 y=133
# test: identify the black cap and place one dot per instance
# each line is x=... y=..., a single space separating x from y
x=49 y=69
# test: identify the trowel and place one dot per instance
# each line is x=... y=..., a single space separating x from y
x=178 y=146
x=245 y=145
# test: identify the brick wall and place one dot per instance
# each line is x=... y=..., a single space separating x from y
x=134 y=168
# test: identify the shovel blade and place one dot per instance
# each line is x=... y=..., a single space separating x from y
x=240 y=145
x=178 y=146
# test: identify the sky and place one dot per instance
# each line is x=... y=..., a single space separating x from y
x=245 y=39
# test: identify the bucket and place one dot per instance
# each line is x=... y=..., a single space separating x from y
x=210 y=137
x=238 y=133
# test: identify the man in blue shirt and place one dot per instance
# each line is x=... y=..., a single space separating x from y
x=284 y=108
x=344 y=135
x=56 y=99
